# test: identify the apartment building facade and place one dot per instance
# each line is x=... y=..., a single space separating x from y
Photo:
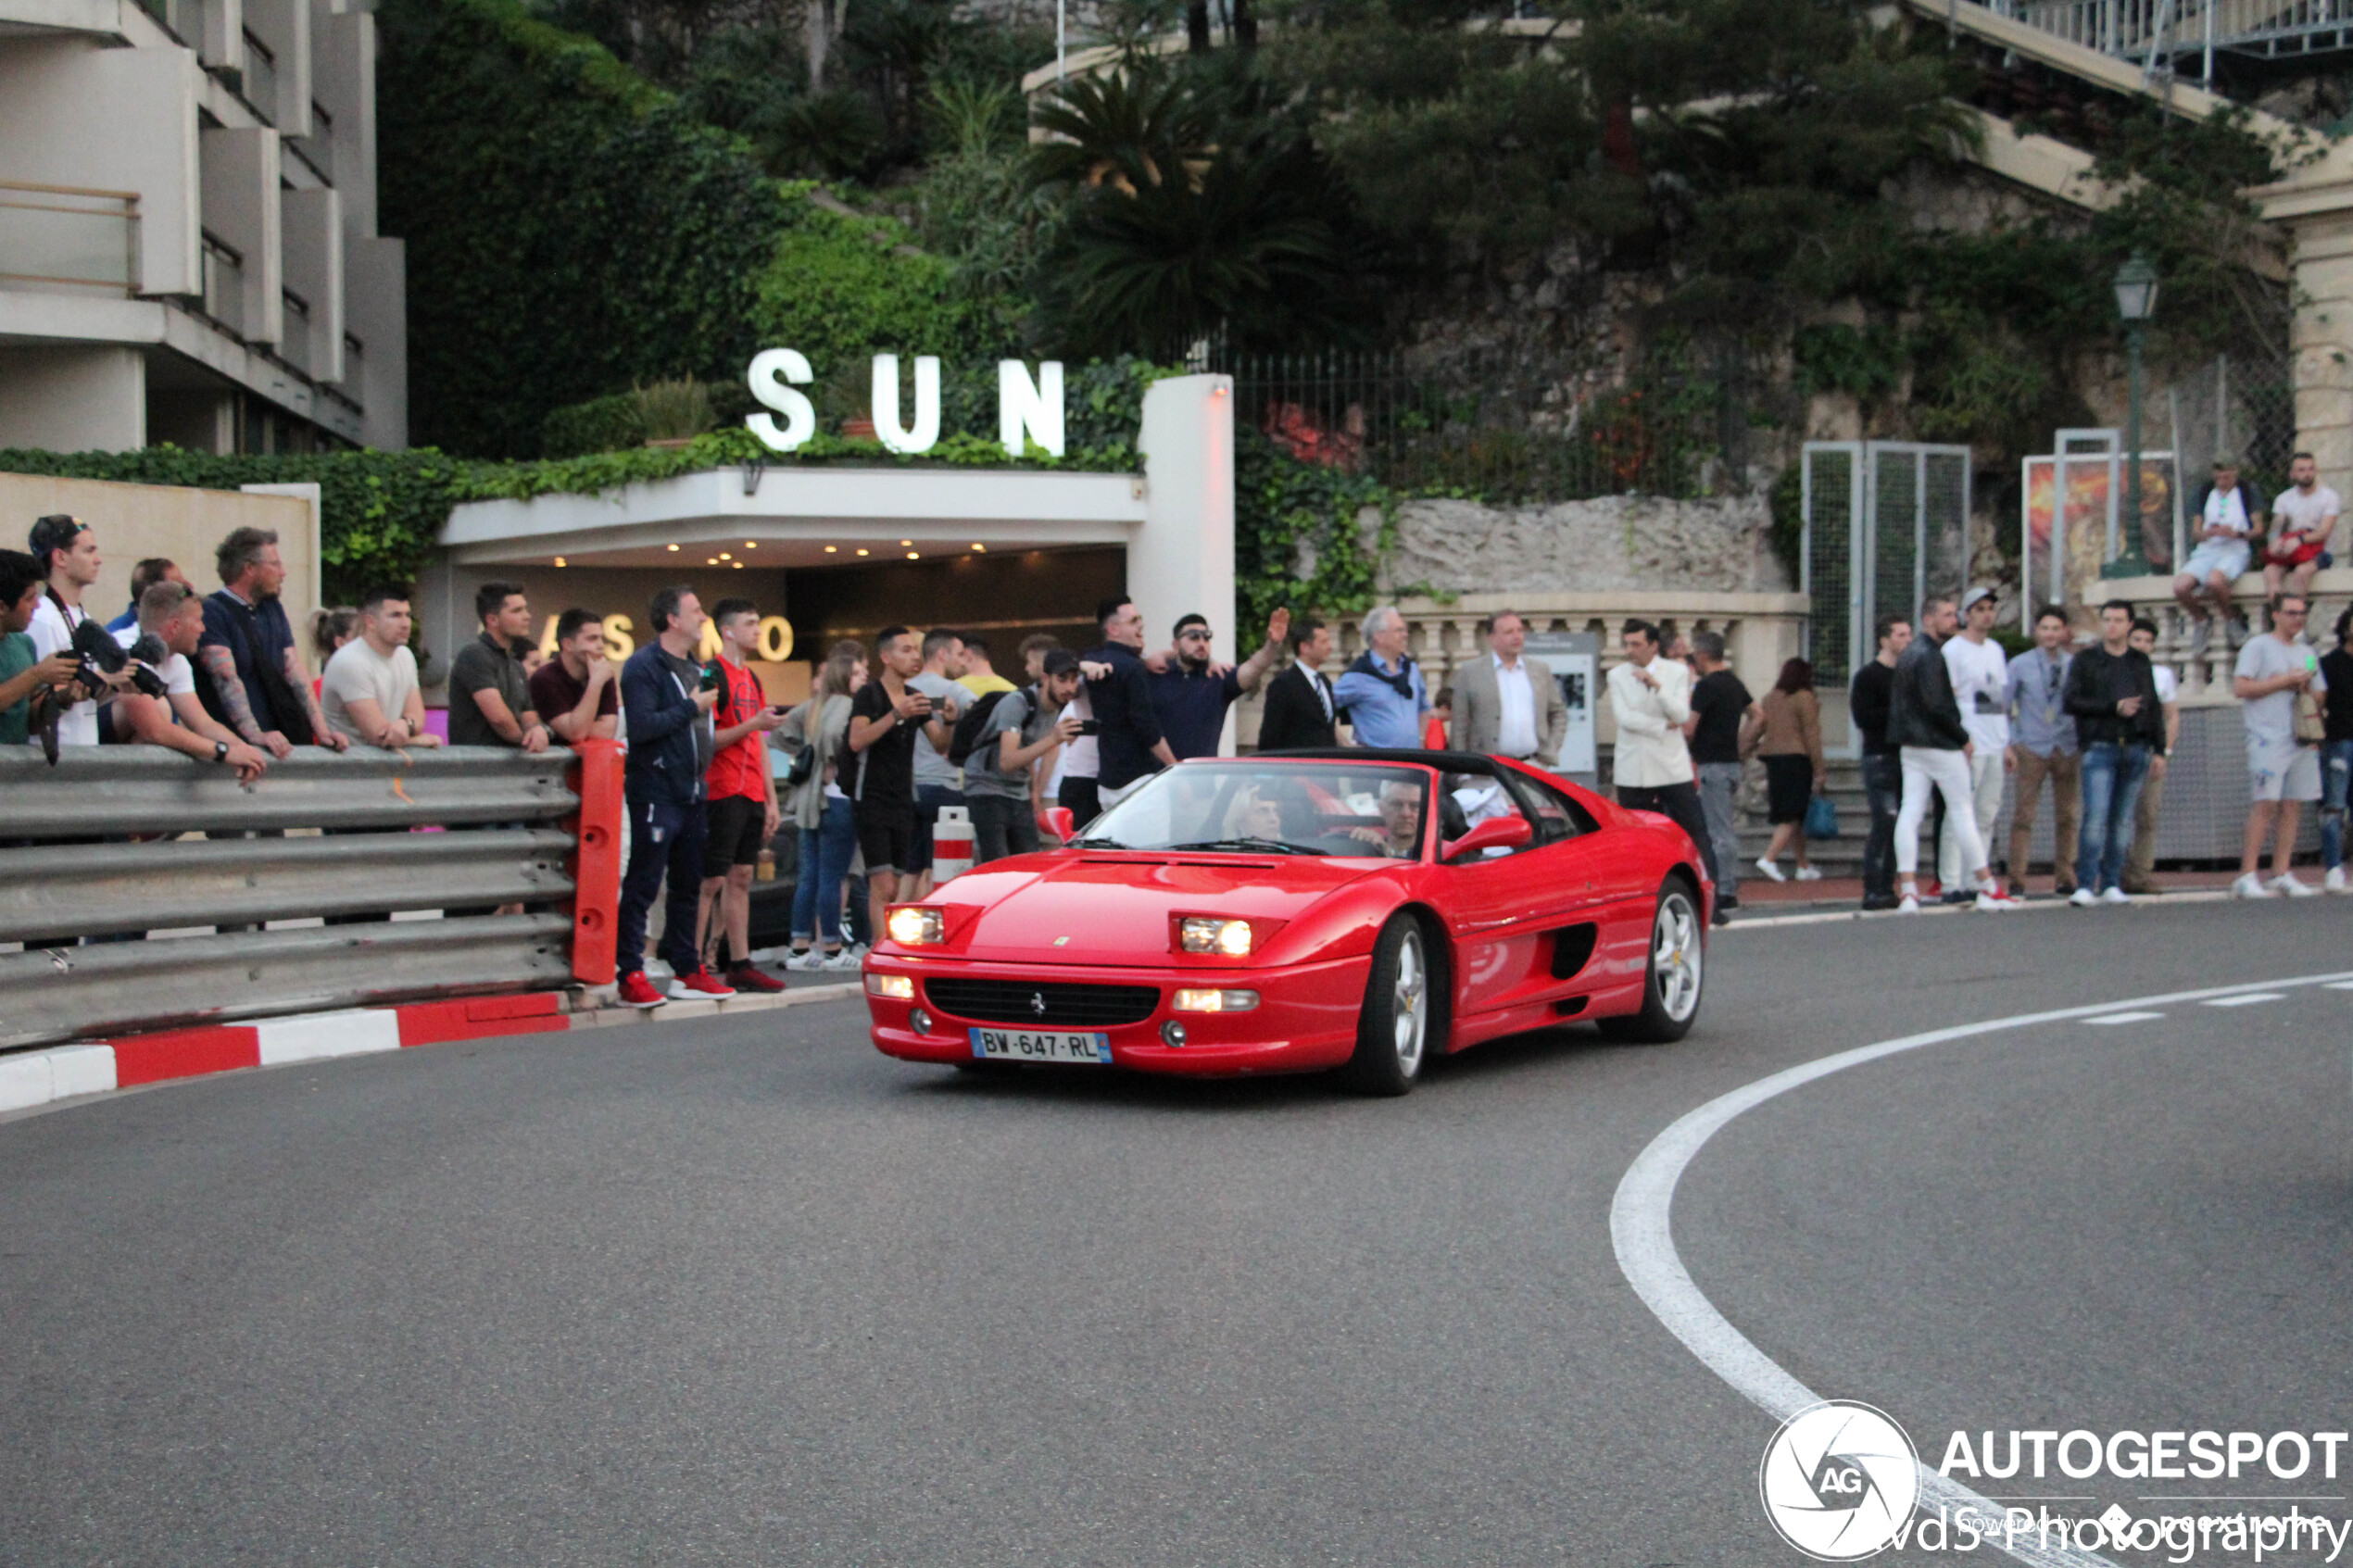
x=188 y=246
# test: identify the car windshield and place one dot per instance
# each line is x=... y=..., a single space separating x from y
x=1271 y=809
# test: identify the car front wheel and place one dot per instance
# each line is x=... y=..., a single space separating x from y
x=1395 y=1032
x=1672 y=978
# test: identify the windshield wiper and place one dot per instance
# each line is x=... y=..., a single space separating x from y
x=1099 y=844
x=1272 y=846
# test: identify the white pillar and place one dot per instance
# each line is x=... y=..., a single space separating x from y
x=1182 y=558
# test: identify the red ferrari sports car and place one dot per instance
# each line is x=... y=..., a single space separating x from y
x=1299 y=912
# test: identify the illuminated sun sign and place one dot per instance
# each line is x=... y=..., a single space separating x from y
x=1027 y=412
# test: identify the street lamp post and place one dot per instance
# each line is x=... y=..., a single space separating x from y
x=2135 y=302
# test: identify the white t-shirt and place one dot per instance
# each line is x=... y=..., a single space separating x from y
x=51 y=634
x=2299 y=513
x=2168 y=685
x=1981 y=673
x=2270 y=721
x=2225 y=508
x=1079 y=760
x=358 y=672
x=179 y=679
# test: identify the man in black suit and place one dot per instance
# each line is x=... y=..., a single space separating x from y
x=1299 y=701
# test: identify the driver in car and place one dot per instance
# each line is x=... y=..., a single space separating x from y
x=1400 y=834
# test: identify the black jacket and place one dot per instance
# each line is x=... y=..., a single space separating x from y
x=2097 y=681
x=664 y=765
x=1920 y=707
x=1868 y=701
x=1123 y=708
x=1295 y=719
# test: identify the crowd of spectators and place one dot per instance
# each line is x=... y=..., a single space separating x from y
x=917 y=728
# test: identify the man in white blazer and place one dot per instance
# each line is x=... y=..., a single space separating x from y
x=1507 y=704
x=1651 y=697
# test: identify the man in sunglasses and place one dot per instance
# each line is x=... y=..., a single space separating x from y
x=1190 y=692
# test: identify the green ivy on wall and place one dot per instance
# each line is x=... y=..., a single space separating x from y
x=1287 y=512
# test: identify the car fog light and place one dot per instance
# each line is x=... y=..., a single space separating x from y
x=920 y=1022
x=1205 y=934
x=897 y=987
x=1189 y=1001
x=911 y=925
x=1172 y=1032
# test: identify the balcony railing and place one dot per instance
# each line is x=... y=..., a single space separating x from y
x=66 y=237
x=225 y=285
x=2186 y=33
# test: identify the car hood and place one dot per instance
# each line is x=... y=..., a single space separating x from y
x=1114 y=909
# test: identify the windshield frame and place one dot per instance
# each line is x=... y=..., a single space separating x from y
x=1241 y=770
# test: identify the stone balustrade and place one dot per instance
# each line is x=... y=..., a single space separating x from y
x=2206 y=677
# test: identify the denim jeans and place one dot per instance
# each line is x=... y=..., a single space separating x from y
x=662 y=838
x=1884 y=785
x=1001 y=826
x=2337 y=787
x=826 y=853
x=2112 y=776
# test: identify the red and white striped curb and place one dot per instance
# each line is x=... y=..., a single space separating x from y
x=33 y=1078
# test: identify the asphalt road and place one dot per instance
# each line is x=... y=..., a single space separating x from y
x=742 y=1291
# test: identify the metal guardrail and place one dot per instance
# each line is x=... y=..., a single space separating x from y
x=539 y=831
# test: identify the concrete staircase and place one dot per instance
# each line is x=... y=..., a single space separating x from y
x=1841 y=856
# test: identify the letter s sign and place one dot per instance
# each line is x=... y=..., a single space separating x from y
x=771 y=370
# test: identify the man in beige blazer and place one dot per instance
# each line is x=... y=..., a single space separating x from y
x=1507 y=704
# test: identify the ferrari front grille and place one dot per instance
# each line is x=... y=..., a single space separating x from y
x=1044 y=1004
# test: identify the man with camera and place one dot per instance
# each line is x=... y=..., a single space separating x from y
x=163 y=708
x=23 y=670
x=67 y=552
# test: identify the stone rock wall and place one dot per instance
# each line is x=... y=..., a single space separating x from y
x=1609 y=543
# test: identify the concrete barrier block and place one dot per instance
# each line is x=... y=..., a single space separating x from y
x=321 y=1034
x=25 y=1081
x=81 y=1070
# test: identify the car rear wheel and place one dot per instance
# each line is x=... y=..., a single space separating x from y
x=1672 y=978
x=1395 y=1032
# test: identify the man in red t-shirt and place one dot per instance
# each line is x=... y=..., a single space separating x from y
x=743 y=796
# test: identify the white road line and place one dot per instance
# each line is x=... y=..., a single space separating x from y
x=1641 y=1229
x=2124 y=1017
x=2248 y=1000
x=2340 y=985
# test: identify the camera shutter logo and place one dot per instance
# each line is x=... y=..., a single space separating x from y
x=1839 y=1480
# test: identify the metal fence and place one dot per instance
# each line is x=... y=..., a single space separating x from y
x=1886 y=524
x=144 y=886
x=1489 y=426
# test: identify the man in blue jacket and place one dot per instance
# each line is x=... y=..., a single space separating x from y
x=668 y=711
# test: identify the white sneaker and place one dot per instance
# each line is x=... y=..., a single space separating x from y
x=2286 y=882
x=2249 y=886
x=2336 y=881
x=2083 y=897
x=2116 y=895
x=1910 y=905
x=1988 y=904
x=1770 y=872
x=1809 y=873
x=806 y=960
x=842 y=962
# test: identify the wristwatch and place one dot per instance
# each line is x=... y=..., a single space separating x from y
x=220 y=751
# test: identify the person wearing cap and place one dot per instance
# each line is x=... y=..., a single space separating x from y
x=1980 y=676
x=2226 y=514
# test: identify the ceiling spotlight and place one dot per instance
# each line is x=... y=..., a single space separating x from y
x=724 y=556
x=560 y=560
x=905 y=542
x=831 y=548
x=914 y=555
x=737 y=565
x=712 y=561
x=861 y=552
x=674 y=546
x=981 y=547
x=751 y=544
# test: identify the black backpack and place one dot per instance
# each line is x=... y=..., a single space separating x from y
x=973 y=728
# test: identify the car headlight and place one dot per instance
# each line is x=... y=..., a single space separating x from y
x=1207 y=934
x=912 y=925
x=1189 y=1001
x=897 y=987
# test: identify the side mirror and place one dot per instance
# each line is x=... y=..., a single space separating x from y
x=1495 y=833
x=1059 y=822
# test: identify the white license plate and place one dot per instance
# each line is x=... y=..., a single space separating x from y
x=1041 y=1045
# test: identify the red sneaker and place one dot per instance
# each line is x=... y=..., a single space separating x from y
x=743 y=977
x=702 y=983
x=636 y=991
